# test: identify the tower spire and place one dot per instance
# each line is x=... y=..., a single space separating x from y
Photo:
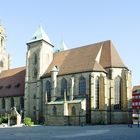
x=40 y=35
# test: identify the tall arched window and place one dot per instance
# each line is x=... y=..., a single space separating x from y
x=97 y=92
x=64 y=87
x=117 y=92
x=21 y=102
x=82 y=86
x=3 y=103
x=48 y=89
x=12 y=102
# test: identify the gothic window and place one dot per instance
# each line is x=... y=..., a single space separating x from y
x=97 y=91
x=82 y=86
x=34 y=96
x=34 y=107
x=12 y=101
x=34 y=72
x=54 y=110
x=35 y=58
x=48 y=89
x=21 y=102
x=3 y=103
x=73 y=111
x=1 y=63
x=64 y=87
x=117 y=93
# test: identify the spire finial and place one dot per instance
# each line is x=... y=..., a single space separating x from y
x=63 y=46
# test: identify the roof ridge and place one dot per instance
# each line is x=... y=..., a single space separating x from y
x=89 y=45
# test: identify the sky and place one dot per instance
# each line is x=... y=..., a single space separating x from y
x=78 y=23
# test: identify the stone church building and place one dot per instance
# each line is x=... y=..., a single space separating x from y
x=84 y=85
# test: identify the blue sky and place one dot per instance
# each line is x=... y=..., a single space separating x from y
x=77 y=22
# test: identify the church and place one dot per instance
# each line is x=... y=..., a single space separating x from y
x=85 y=85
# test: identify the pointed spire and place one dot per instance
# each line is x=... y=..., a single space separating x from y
x=40 y=35
x=63 y=46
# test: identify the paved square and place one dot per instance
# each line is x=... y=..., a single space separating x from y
x=100 y=132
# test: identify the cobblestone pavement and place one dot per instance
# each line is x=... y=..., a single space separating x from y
x=99 y=132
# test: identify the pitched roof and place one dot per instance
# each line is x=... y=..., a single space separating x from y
x=83 y=59
x=12 y=82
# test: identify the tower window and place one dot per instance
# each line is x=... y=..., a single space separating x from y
x=34 y=72
x=35 y=58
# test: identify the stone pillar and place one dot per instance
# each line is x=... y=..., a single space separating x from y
x=92 y=89
x=101 y=95
x=72 y=88
x=38 y=101
x=26 y=101
x=65 y=104
x=54 y=73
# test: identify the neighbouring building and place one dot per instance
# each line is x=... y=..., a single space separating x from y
x=136 y=102
x=12 y=81
x=84 y=85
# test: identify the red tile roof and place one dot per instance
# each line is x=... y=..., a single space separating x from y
x=83 y=59
x=12 y=82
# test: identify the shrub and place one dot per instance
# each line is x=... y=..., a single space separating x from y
x=4 y=120
x=27 y=121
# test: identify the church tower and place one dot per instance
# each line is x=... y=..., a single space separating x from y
x=4 y=56
x=38 y=58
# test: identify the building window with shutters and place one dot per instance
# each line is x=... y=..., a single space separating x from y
x=117 y=93
x=97 y=92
